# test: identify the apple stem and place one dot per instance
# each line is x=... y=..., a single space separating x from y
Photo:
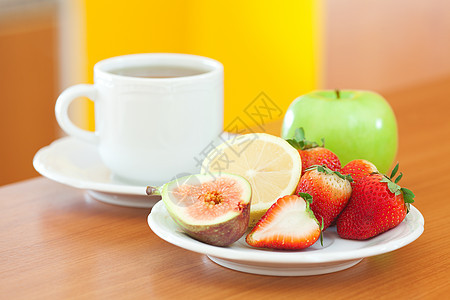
x=151 y=190
x=338 y=94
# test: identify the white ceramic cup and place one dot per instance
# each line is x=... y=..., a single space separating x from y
x=150 y=130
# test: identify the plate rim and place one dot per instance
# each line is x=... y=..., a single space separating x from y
x=285 y=257
x=112 y=188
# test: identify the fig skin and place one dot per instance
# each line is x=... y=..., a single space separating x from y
x=220 y=234
x=222 y=231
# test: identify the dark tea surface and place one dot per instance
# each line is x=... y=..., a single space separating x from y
x=158 y=71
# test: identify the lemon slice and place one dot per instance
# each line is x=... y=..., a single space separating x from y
x=269 y=163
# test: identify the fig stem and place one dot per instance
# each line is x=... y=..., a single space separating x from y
x=338 y=93
x=151 y=191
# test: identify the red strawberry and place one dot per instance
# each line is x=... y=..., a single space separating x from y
x=288 y=224
x=330 y=192
x=358 y=168
x=313 y=154
x=376 y=205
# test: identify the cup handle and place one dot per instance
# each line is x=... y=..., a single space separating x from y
x=62 y=110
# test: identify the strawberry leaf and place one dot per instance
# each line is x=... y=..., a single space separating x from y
x=294 y=144
x=300 y=142
x=321 y=169
x=311 y=168
x=393 y=187
x=323 y=142
x=342 y=176
x=321 y=233
x=408 y=198
x=299 y=134
x=408 y=195
x=384 y=179
x=324 y=169
x=307 y=197
x=398 y=177
x=394 y=171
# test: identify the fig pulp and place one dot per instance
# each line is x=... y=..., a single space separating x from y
x=212 y=208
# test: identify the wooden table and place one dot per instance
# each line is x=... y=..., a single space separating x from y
x=56 y=243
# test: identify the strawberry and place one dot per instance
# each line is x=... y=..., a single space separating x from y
x=313 y=154
x=376 y=205
x=288 y=224
x=330 y=191
x=358 y=168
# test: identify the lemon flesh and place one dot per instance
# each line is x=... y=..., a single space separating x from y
x=269 y=163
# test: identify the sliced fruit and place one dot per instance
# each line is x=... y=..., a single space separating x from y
x=212 y=208
x=269 y=163
x=288 y=224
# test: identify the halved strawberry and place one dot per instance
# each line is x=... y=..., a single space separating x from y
x=376 y=205
x=329 y=189
x=313 y=154
x=288 y=224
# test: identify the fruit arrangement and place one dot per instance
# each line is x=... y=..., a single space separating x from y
x=286 y=193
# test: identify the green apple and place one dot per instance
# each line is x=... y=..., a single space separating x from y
x=354 y=124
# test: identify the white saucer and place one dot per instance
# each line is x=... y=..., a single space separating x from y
x=336 y=254
x=76 y=163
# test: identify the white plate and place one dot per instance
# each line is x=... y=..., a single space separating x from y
x=336 y=254
x=76 y=163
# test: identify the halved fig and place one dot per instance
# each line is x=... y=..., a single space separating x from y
x=212 y=208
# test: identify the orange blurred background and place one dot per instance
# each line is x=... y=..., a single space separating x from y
x=283 y=49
